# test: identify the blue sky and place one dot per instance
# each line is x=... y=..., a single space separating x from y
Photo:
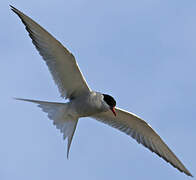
x=141 y=52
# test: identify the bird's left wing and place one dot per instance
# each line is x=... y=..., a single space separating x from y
x=60 y=61
x=142 y=133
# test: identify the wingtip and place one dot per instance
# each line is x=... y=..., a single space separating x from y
x=18 y=99
x=189 y=174
x=12 y=8
x=15 y=10
x=14 y=98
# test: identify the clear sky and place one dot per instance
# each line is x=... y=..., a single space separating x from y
x=141 y=52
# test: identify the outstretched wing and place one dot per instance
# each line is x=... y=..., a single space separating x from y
x=60 y=61
x=142 y=133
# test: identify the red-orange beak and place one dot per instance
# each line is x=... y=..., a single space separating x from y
x=113 y=110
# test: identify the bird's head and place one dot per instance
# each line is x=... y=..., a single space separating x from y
x=110 y=102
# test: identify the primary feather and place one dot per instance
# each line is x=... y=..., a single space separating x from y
x=138 y=129
x=59 y=60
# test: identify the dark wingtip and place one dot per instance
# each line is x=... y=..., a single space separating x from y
x=18 y=99
x=15 y=10
x=190 y=175
x=12 y=8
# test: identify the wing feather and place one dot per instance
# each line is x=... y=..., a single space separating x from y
x=142 y=133
x=59 y=60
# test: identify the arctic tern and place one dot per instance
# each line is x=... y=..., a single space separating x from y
x=84 y=102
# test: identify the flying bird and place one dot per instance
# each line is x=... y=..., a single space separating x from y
x=84 y=102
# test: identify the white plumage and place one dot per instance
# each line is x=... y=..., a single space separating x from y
x=83 y=101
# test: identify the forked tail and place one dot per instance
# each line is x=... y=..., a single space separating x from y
x=61 y=119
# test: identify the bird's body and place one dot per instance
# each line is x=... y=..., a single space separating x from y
x=84 y=102
x=87 y=105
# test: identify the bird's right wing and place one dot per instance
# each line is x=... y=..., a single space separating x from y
x=60 y=61
x=142 y=133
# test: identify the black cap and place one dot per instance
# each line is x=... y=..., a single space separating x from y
x=109 y=100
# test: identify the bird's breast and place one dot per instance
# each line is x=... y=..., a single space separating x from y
x=89 y=105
